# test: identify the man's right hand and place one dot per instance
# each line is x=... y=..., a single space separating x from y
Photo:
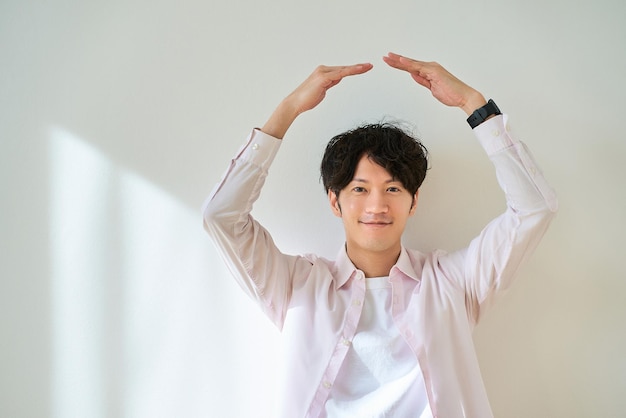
x=308 y=95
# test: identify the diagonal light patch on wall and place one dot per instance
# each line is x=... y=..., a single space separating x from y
x=143 y=312
x=80 y=182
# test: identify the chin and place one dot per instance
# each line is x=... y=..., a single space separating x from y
x=377 y=246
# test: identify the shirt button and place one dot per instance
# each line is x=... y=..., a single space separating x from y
x=255 y=147
x=345 y=341
x=327 y=385
x=495 y=132
x=357 y=302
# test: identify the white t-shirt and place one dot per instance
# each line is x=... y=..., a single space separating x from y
x=380 y=376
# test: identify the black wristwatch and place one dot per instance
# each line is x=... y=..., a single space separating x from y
x=483 y=113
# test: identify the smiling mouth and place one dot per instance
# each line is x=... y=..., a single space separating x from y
x=376 y=224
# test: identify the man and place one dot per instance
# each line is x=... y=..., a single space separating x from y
x=382 y=331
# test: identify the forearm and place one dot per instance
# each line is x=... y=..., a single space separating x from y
x=258 y=266
x=281 y=119
x=232 y=198
x=518 y=174
x=492 y=259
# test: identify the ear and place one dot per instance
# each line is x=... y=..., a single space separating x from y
x=334 y=203
x=414 y=204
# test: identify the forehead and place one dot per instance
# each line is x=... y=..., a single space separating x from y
x=369 y=171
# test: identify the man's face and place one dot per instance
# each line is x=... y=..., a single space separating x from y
x=374 y=208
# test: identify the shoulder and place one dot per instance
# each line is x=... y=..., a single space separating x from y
x=436 y=266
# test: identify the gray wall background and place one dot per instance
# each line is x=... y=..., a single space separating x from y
x=117 y=118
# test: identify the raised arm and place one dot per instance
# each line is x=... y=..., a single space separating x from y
x=308 y=95
x=260 y=268
x=490 y=262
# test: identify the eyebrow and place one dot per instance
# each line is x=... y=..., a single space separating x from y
x=360 y=180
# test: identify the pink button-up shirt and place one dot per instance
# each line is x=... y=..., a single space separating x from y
x=438 y=297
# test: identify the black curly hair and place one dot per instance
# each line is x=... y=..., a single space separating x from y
x=386 y=144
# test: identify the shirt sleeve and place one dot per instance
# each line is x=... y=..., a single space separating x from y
x=247 y=248
x=490 y=263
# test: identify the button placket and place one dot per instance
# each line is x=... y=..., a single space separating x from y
x=397 y=299
x=355 y=308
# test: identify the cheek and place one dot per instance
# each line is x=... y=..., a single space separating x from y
x=347 y=204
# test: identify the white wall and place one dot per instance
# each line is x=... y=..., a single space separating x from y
x=116 y=119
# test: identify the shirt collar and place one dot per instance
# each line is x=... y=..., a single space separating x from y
x=406 y=266
x=345 y=269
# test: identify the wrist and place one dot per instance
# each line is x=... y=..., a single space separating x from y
x=474 y=101
x=483 y=113
x=280 y=120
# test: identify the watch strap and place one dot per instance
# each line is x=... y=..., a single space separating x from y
x=482 y=113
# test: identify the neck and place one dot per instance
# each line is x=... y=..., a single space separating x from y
x=374 y=263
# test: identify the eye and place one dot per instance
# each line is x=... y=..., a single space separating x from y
x=394 y=189
x=358 y=189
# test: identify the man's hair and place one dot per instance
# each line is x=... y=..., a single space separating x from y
x=388 y=145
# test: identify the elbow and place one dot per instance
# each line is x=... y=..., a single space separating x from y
x=213 y=218
x=209 y=212
x=549 y=213
x=547 y=204
x=551 y=209
x=221 y=219
x=550 y=199
x=547 y=210
x=552 y=204
x=540 y=212
x=543 y=213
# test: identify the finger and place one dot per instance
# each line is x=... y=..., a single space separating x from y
x=393 y=60
x=396 y=57
x=333 y=75
x=421 y=80
x=348 y=70
x=397 y=60
x=404 y=63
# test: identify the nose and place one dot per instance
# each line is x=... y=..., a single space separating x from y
x=376 y=203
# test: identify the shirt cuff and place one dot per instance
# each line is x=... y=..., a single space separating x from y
x=259 y=149
x=495 y=134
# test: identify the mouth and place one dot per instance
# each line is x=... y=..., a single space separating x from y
x=377 y=224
